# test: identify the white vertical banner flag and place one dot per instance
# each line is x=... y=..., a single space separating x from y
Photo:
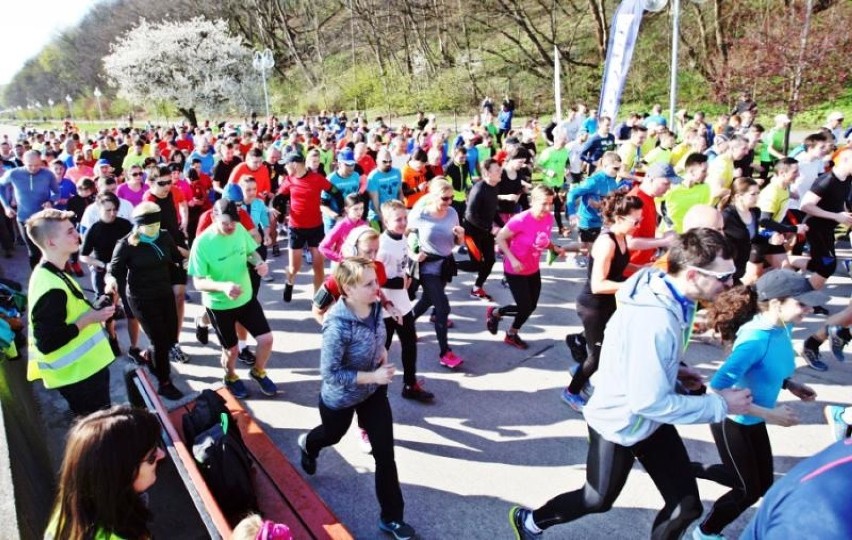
x=557 y=85
x=622 y=39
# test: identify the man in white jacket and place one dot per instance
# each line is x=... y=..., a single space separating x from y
x=634 y=407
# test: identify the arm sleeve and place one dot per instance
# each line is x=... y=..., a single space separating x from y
x=49 y=328
x=743 y=356
x=87 y=247
x=334 y=344
x=770 y=224
x=330 y=245
x=117 y=267
x=651 y=391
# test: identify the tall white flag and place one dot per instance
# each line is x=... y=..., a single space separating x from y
x=622 y=39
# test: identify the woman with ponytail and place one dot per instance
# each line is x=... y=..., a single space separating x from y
x=144 y=264
x=757 y=319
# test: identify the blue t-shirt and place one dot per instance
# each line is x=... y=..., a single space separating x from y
x=386 y=184
x=762 y=357
x=67 y=189
x=593 y=188
x=347 y=185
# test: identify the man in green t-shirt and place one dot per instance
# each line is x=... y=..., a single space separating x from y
x=690 y=192
x=553 y=163
x=773 y=147
x=218 y=264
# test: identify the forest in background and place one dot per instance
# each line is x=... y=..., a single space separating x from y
x=399 y=56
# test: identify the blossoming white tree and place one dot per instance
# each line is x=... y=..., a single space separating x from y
x=195 y=65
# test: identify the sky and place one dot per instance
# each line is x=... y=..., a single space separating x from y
x=28 y=27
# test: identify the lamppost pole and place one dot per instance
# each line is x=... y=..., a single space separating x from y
x=69 y=100
x=98 y=95
x=263 y=62
x=50 y=103
x=673 y=81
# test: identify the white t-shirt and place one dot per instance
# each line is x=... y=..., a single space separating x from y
x=394 y=255
x=808 y=173
x=92 y=215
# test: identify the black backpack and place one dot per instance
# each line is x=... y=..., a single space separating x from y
x=221 y=455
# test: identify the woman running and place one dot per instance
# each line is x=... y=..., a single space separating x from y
x=756 y=319
x=609 y=259
x=522 y=240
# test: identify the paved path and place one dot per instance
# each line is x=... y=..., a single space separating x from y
x=497 y=433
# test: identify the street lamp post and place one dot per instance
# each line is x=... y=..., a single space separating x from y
x=658 y=5
x=69 y=100
x=50 y=103
x=263 y=62
x=98 y=95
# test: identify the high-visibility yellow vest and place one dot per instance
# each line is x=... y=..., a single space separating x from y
x=78 y=359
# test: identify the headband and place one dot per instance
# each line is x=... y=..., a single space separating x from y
x=274 y=531
x=147 y=219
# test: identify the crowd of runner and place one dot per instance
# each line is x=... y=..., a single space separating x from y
x=681 y=228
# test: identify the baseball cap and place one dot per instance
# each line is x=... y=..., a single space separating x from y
x=663 y=170
x=101 y=162
x=836 y=115
x=346 y=156
x=294 y=157
x=233 y=192
x=782 y=119
x=785 y=283
x=224 y=207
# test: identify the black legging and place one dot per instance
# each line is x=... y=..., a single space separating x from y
x=434 y=294
x=607 y=466
x=374 y=417
x=484 y=240
x=525 y=292
x=594 y=321
x=33 y=251
x=558 y=206
x=747 y=458
x=158 y=318
x=408 y=343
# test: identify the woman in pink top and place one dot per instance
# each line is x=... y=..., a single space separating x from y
x=331 y=245
x=522 y=240
x=134 y=186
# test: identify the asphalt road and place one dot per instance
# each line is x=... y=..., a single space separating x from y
x=497 y=433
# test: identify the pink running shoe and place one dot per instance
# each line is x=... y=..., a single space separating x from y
x=450 y=360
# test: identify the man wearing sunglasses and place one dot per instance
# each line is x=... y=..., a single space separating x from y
x=635 y=406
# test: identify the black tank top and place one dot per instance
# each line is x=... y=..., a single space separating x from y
x=619 y=263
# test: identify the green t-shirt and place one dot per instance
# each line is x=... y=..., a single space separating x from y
x=553 y=163
x=775 y=139
x=680 y=199
x=222 y=257
x=484 y=152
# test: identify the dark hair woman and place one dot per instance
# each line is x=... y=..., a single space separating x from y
x=110 y=459
x=609 y=258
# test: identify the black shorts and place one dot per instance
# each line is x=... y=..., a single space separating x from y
x=250 y=315
x=823 y=259
x=589 y=235
x=179 y=276
x=760 y=250
x=300 y=238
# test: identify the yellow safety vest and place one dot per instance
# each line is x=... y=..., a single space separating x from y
x=78 y=359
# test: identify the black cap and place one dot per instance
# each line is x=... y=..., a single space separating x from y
x=785 y=283
x=294 y=157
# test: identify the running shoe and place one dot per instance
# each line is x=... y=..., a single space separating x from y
x=515 y=341
x=202 y=332
x=575 y=401
x=267 y=387
x=837 y=342
x=518 y=518
x=169 y=391
x=479 y=293
x=834 y=417
x=450 y=323
x=364 y=442
x=237 y=388
x=581 y=261
x=135 y=354
x=288 y=292
x=812 y=357
x=577 y=345
x=698 y=534
x=492 y=319
x=246 y=356
x=450 y=360
x=176 y=354
x=417 y=393
x=276 y=251
x=400 y=530
x=308 y=462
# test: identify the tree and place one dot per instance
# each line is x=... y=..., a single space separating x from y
x=195 y=65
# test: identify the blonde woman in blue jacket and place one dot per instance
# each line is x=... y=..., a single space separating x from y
x=355 y=374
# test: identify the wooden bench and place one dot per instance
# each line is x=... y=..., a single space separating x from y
x=282 y=494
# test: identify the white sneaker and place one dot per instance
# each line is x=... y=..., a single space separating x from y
x=364 y=442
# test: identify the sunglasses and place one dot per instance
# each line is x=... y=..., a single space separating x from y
x=447 y=199
x=721 y=277
x=164 y=183
x=387 y=161
x=136 y=174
